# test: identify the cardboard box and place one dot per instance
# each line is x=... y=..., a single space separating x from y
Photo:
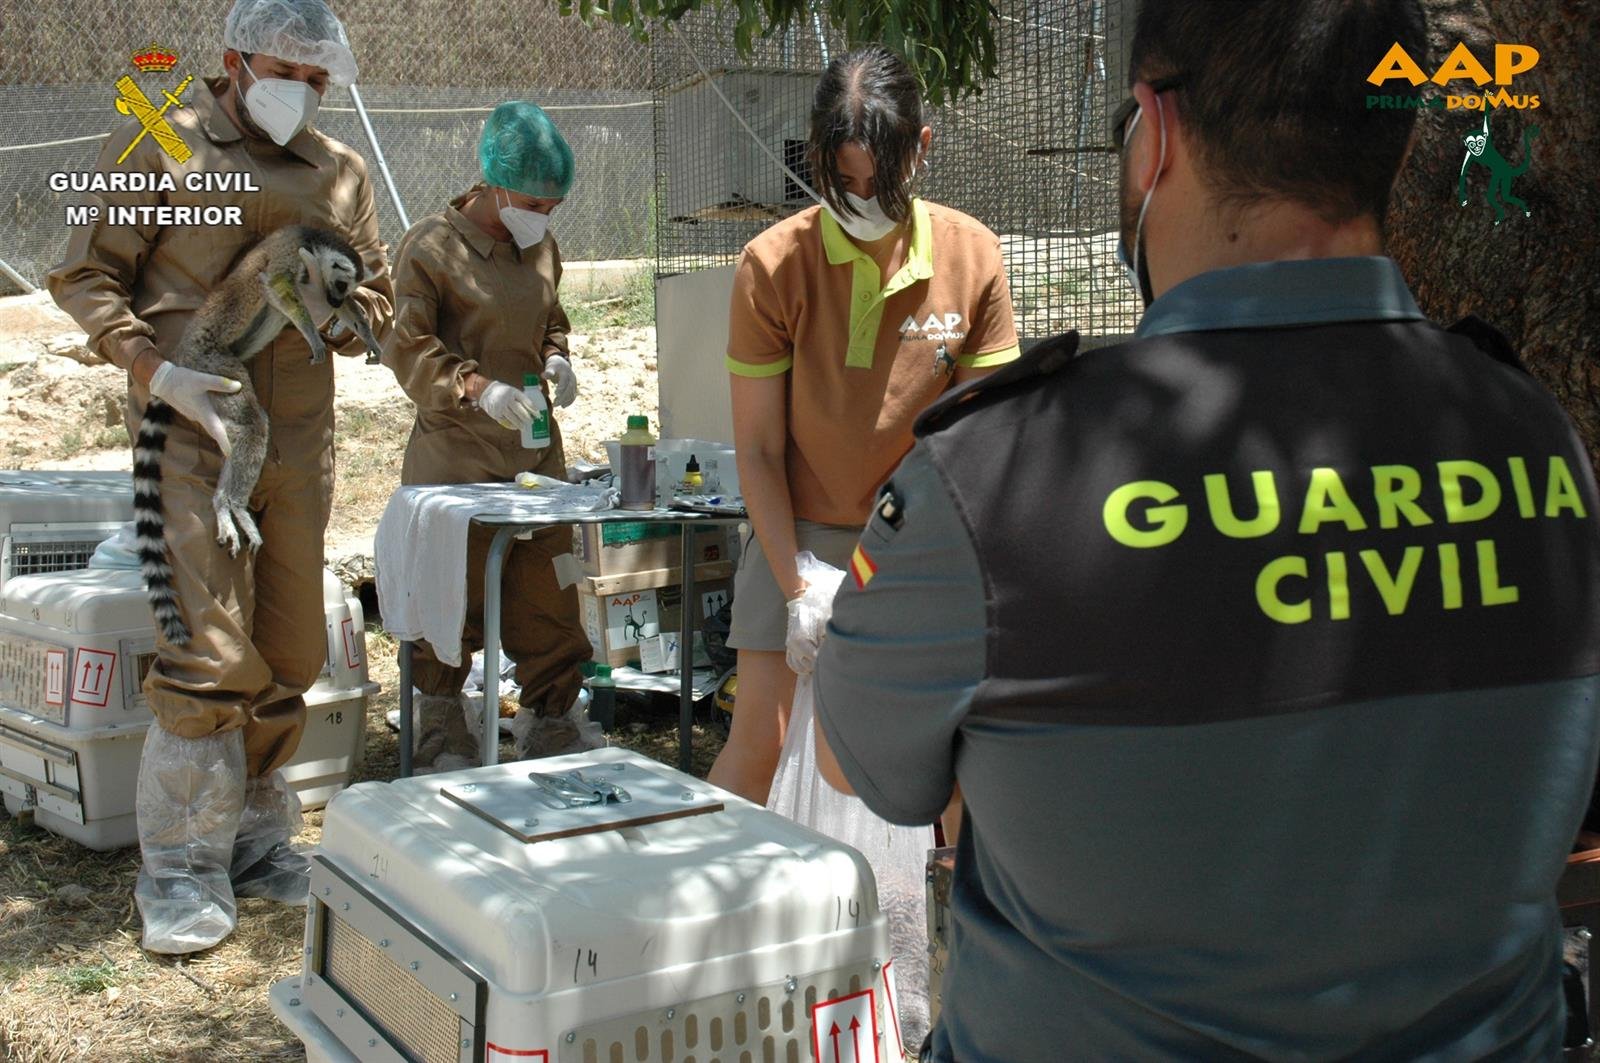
x=624 y=548
x=620 y=610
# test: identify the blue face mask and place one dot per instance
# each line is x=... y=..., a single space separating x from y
x=1134 y=264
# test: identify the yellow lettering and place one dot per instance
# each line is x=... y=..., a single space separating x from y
x=1489 y=587
x=1456 y=509
x=1338 y=587
x=1396 y=488
x=1450 y=574
x=1521 y=486
x=1395 y=590
x=1460 y=63
x=1227 y=522
x=1267 y=597
x=1513 y=59
x=1563 y=491
x=1327 y=500
x=1167 y=522
x=1397 y=63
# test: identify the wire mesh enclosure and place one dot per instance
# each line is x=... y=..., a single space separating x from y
x=431 y=71
x=1030 y=156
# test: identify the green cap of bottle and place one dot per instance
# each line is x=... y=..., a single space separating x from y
x=602 y=671
x=638 y=420
x=530 y=380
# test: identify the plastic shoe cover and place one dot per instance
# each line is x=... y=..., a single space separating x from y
x=188 y=801
x=264 y=863
x=442 y=729
x=551 y=736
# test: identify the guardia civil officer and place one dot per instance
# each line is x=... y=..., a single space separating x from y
x=847 y=320
x=228 y=705
x=1263 y=647
x=477 y=308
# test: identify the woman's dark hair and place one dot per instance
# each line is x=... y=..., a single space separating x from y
x=868 y=97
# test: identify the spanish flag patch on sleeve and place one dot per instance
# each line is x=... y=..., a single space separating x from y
x=862 y=568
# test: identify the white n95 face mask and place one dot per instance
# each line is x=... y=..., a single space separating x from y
x=527 y=226
x=870 y=224
x=281 y=107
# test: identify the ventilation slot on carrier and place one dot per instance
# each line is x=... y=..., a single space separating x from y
x=425 y=1027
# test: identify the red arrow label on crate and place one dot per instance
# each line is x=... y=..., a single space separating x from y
x=844 y=1019
x=55 y=678
x=91 y=684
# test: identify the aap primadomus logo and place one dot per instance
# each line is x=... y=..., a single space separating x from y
x=1480 y=151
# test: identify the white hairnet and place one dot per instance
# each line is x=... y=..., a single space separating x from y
x=298 y=31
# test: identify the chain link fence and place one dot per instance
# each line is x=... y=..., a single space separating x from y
x=431 y=71
x=1030 y=156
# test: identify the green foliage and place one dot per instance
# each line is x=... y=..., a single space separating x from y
x=949 y=43
x=634 y=308
x=87 y=977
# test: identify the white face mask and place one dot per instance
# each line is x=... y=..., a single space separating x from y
x=527 y=226
x=1137 y=269
x=281 y=107
x=870 y=224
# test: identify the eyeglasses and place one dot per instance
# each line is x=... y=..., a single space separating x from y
x=1125 y=110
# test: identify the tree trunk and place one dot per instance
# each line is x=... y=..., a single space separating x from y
x=1536 y=279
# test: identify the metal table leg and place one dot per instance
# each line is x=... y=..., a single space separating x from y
x=686 y=652
x=492 y=571
x=405 y=709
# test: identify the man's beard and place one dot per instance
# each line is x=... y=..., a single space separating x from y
x=246 y=122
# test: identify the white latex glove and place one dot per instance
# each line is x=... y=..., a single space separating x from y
x=563 y=383
x=804 y=635
x=507 y=405
x=189 y=392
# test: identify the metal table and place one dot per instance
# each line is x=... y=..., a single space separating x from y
x=508 y=527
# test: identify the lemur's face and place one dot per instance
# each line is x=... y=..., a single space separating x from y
x=338 y=274
x=1475 y=142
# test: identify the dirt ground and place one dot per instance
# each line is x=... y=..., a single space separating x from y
x=74 y=984
x=58 y=413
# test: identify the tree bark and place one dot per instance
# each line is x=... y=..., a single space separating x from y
x=1536 y=279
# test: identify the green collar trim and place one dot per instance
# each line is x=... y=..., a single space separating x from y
x=867 y=294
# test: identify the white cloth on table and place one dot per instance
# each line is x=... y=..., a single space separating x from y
x=420 y=550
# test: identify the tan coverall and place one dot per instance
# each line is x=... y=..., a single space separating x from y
x=259 y=632
x=466 y=302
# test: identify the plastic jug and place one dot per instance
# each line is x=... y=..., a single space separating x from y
x=638 y=453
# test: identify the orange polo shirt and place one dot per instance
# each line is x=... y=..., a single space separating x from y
x=864 y=358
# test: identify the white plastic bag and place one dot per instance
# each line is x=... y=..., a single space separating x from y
x=898 y=855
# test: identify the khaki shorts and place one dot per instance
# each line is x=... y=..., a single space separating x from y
x=760 y=609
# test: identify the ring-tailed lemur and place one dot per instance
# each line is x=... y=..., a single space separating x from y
x=265 y=290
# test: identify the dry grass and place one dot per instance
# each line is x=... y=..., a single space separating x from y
x=74 y=984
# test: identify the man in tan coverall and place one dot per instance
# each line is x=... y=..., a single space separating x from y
x=229 y=703
x=476 y=309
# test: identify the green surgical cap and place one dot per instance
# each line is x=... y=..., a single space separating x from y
x=521 y=149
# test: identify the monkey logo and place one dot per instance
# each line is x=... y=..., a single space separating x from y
x=1481 y=149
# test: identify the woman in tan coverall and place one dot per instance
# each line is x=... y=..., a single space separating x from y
x=228 y=705
x=476 y=308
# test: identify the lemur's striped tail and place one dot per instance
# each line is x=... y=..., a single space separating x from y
x=151 y=526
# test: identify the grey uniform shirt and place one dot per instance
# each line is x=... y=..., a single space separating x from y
x=1295 y=781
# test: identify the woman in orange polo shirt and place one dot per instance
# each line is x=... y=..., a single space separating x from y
x=848 y=319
